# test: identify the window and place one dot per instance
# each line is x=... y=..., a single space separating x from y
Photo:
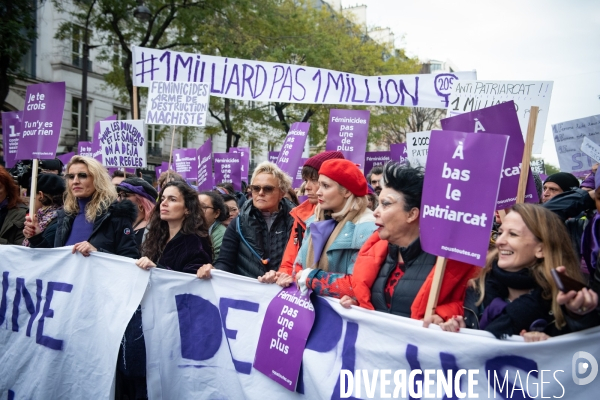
x=153 y=142
x=183 y=141
x=436 y=67
x=77 y=41
x=76 y=117
x=118 y=56
x=120 y=112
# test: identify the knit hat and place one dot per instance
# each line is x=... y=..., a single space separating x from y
x=52 y=165
x=317 y=160
x=347 y=174
x=564 y=180
x=138 y=186
x=51 y=184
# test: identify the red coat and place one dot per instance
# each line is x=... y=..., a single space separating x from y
x=300 y=215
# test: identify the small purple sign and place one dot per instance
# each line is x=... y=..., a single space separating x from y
x=205 y=167
x=85 y=149
x=11 y=133
x=42 y=121
x=298 y=178
x=273 y=156
x=158 y=171
x=228 y=169
x=459 y=194
x=186 y=163
x=347 y=132
x=96 y=150
x=499 y=119
x=398 y=152
x=376 y=159
x=244 y=153
x=292 y=148
x=285 y=329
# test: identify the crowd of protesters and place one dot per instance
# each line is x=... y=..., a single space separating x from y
x=352 y=238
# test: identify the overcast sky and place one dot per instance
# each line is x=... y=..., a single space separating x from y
x=507 y=40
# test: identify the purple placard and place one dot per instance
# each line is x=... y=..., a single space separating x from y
x=11 y=133
x=298 y=178
x=96 y=150
x=85 y=149
x=205 y=167
x=186 y=163
x=285 y=329
x=398 y=152
x=292 y=148
x=244 y=153
x=302 y=199
x=273 y=156
x=65 y=158
x=158 y=171
x=459 y=194
x=42 y=121
x=501 y=119
x=228 y=169
x=347 y=132
x=376 y=158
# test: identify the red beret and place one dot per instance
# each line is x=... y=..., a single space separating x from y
x=317 y=160
x=347 y=174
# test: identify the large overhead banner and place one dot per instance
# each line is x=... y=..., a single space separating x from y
x=266 y=81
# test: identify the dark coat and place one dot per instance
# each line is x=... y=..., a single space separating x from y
x=11 y=231
x=236 y=257
x=112 y=232
x=186 y=253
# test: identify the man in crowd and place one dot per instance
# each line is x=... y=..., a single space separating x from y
x=374 y=179
x=557 y=183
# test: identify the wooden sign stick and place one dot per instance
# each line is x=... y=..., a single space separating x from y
x=33 y=189
x=135 y=102
x=171 y=153
x=533 y=114
x=436 y=285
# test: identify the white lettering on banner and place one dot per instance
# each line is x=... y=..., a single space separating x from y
x=267 y=81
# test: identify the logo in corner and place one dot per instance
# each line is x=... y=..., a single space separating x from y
x=580 y=367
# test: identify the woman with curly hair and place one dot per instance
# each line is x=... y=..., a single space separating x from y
x=91 y=218
x=177 y=236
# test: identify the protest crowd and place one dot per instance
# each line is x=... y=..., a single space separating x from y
x=332 y=243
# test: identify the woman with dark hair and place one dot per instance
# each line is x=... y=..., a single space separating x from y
x=12 y=210
x=232 y=207
x=48 y=201
x=143 y=196
x=178 y=237
x=215 y=212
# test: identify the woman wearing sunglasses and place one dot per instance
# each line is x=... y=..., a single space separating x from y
x=254 y=242
x=91 y=219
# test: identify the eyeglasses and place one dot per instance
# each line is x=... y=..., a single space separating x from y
x=80 y=175
x=123 y=195
x=266 y=189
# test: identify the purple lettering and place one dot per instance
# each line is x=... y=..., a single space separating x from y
x=167 y=55
x=224 y=305
x=275 y=80
x=234 y=74
x=51 y=287
x=179 y=59
x=299 y=84
x=415 y=98
x=246 y=79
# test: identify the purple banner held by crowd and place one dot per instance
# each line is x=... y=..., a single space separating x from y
x=398 y=152
x=186 y=163
x=12 y=122
x=244 y=153
x=273 y=156
x=42 y=121
x=347 y=132
x=205 y=167
x=228 y=169
x=376 y=159
x=292 y=148
x=285 y=329
x=500 y=119
x=459 y=194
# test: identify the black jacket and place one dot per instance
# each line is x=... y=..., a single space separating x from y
x=236 y=256
x=112 y=232
x=186 y=253
x=417 y=266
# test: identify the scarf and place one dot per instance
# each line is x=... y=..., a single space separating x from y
x=44 y=215
x=520 y=280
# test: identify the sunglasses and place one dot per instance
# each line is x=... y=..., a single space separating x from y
x=80 y=175
x=266 y=189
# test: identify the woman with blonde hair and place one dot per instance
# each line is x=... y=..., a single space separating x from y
x=91 y=219
x=516 y=291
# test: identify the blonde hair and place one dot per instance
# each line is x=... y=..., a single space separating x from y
x=353 y=203
x=267 y=167
x=103 y=196
x=557 y=248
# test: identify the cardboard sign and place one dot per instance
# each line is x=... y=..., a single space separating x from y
x=471 y=95
x=244 y=153
x=11 y=133
x=499 y=119
x=122 y=143
x=376 y=159
x=96 y=148
x=186 y=163
x=285 y=329
x=177 y=103
x=347 y=132
x=417 y=146
x=591 y=149
x=568 y=138
x=228 y=169
x=455 y=223
x=205 y=167
x=290 y=156
x=398 y=152
x=42 y=121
